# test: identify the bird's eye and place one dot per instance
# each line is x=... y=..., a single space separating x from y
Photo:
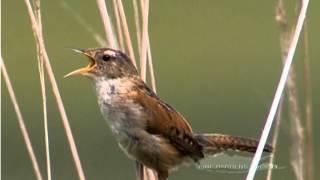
x=106 y=57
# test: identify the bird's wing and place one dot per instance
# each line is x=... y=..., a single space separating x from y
x=164 y=120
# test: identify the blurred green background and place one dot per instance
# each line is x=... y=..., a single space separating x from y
x=217 y=62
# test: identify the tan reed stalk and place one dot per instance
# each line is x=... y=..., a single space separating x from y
x=137 y=23
x=37 y=31
x=297 y=149
x=22 y=125
x=150 y=63
x=125 y=29
x=97 y=37
x=43 y=92
x=45 y=117
x=138 y=30
x=106 y=23
x=275 y=140
x=308 y=106
x=118 y=25
x=279 y=91
x=297 y=130
x=148 y=174
x=144 y=38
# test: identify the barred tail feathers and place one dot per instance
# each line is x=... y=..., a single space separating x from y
x=215 y=143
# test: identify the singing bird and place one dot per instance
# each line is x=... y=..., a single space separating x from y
x=147 y=129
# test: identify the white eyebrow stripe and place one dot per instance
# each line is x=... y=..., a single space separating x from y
x=109 y=52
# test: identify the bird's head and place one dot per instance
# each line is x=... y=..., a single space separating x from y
x=105 y=62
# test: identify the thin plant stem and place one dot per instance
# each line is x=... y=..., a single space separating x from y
x=150 y=63
x=43 y=92
x=144 y=38
x=55 y=90
x=137 y=23
x=118 y=24
x=22 y=125
x=147 y=174
x=84 y=24
x=106 y=23
x=308 y=105
x=45 y=119
x=297 y=131
x=125 y=29
x=138 y=29
x=279 y=91
x=275 y=139
x=297 y=135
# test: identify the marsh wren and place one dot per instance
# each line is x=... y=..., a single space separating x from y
x=148 y=129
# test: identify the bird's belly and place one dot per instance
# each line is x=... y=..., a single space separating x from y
x=122 y=117
x=153 y=151
x=123 y=120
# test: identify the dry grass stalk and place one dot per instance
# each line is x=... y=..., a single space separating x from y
x=39 y=40
x=22 y=125
x=279 y=91
x=308 y=107
x=275 y=139
x=150 y=63
x=43 y=92
x=144 y=38
x=137 y=23
x=147 y=174
x=106 y=23
x=297 y=149
x=138 y=30
x=125 y=29
x=118 y=25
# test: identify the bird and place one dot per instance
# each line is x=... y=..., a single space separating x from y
x=147 y=129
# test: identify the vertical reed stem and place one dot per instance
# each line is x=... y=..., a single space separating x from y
x=118 y=24
x=137 y=23
x=55 y=90
x=125 y=29
x=297 y=134
x=43 y=91
x=275 y=139
x=150 y=63
x=144 y=38
x=22 y=125
x=107 y=23
x=148 y=174
x=308 y=106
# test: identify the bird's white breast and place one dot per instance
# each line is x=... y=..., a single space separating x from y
x=113 y=100
x=121 y=113
x=109 y=89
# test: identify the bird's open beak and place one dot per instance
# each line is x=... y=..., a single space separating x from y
x=86 y=71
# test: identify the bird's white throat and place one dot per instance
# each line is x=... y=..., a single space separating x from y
x=107 y=89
